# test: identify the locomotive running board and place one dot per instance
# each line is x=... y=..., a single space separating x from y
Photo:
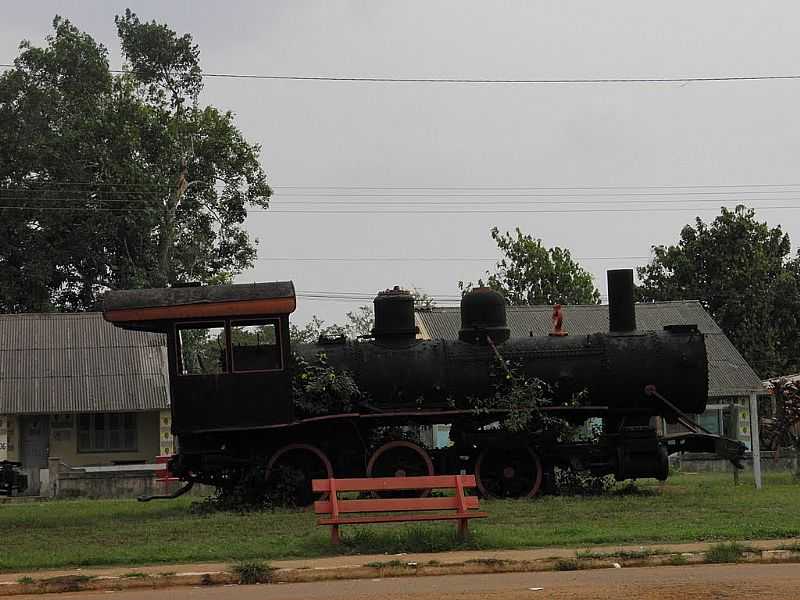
x=694 y=441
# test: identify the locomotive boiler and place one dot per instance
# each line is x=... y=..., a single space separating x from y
x=234 y=405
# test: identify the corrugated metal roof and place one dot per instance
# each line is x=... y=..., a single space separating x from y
x=729 y=374
x=66 y=363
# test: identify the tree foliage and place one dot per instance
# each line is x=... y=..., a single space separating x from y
x=166 y=66
x=319 y=389
x=117 y=180
x=742 y=272
x=529 y=273
x=357 y=323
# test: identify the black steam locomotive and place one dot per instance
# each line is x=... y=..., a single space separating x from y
x=231 y=384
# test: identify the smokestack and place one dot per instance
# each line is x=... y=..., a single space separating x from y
x=621 y=313
x=394 y=316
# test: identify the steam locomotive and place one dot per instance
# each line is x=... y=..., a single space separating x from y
x=233 y=412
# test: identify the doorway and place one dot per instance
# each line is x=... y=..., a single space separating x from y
x=35 y=446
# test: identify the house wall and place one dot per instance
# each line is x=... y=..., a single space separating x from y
x=166 y=443
x=785 y=462
x=64 y=443
x=128 y=481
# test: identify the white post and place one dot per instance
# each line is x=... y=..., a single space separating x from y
x=4 y=437
x=754 y=439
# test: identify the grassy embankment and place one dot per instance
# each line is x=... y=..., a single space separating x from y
x=687 y=508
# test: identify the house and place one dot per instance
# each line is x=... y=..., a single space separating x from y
x=731 y=381
x=75 y=387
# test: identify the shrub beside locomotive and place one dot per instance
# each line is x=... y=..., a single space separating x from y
x=234 y=417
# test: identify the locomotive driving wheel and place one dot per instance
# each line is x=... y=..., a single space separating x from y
x=508 y=472
x=400 y=459
x=290 y=471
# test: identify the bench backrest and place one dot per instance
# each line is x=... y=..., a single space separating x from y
x=333 y=505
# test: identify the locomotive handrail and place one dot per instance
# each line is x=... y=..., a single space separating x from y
x=683 y=418
x=599 y=409
x=727 y=448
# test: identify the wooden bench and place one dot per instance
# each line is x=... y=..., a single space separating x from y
x=341 y=512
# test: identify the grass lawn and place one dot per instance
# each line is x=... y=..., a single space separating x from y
x=107 y=532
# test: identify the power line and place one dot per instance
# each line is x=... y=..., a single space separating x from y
x=534 y=187
x=474 y=80
x=421 y=258
x=491 y=193
x=54 y=182
x=313 y=197
x=400 y=203
x=411 y=211
x=460 y=80
x=369 y=296
x=93 y=184
x=351 y=301
x=415 y=202
x=510 y=211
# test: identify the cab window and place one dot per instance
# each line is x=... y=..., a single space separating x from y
x=255 y=346
x=202 y=349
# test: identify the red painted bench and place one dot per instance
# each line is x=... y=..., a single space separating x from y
x=342 y=512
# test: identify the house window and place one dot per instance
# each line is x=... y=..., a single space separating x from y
x=107 y=432
x=201 y=349
x=254 y=345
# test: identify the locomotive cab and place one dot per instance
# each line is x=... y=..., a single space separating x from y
x=227 y=348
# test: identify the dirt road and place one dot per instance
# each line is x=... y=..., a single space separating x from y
x=704 y=582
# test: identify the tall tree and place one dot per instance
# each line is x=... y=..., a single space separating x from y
x=740 y=269
x=117 y=180
x=530 y=273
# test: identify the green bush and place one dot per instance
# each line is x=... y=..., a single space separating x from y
x=725 y=553
x=251 y=572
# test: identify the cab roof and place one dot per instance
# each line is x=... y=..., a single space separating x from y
x=141 y=309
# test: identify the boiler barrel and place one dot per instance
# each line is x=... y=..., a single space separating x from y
x=612 y=369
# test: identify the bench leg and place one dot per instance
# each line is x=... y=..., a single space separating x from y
x=335 y=539
x=463 y=529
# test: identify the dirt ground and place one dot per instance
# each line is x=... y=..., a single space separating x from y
x=703 y=582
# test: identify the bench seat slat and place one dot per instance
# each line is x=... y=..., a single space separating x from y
x=400 y=518
x=365 y=484
x=394 y=504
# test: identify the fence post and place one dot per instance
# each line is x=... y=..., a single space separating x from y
x=53 y=468
x=754 y=439
x=732 y=432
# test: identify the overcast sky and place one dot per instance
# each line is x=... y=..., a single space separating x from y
x=489 y=137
